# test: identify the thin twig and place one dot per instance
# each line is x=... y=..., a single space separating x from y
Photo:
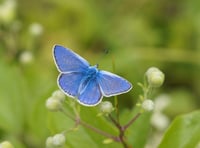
x=121 y=131
x=99 y=131
x=131 y=121
x=114 y=122
x=80 y=122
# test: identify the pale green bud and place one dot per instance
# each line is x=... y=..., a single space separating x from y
x=53 y=104
x=7 y=11
x=160 y=121
x=36 y=29
x=49 y=142
x=59 y=95
x=6 y=144
x=155 y=77
x=106 y=107
x=26 y=57
x=148 y=105
x=59 y=139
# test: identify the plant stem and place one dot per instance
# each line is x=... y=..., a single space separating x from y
x=131 y=121
x=116 y=123
x=99 y=131
x=116 y=108
x=78 y=121
x=122 y=129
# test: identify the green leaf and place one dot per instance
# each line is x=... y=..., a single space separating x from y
x=22 y=105
x=12 y=99
x=183 y=132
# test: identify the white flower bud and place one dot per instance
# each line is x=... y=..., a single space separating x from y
x=59 y=140
x=161 y=102
x=151 y=69
x=197 y=145
x=49 y=142
x=58 y=94
x=106 y=107
x=36 y=29
x=148 y=105
x=159 y=121
x=7 y=11
x=26 y=57
x=53 y=104
x=6 y=144
x=155 y=77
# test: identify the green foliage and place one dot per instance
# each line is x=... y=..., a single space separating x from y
x=183 y=132
x=138 y=133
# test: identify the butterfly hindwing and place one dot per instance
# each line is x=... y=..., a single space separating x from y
x=68 y=61
x=112 y=84
x=70 y=82
x=90 y=95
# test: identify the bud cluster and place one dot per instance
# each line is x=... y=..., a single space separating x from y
x=148 y=105
x=155 y=77
x=57 y=140
x=54 y=103
x=106 y=107
x=6 y=144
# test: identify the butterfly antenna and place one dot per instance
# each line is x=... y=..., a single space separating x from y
x=104 y=53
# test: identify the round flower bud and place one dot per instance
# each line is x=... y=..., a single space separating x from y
x=106 y=107
x=151 y=69
x=53 y=104
x=160 y=121
x=7 y=11
x=59 y=140
x=26 y=57
x=148 y=105
x=49 y=142
x=58 y=94
x=155 y=77
x=36 y=29
x=6 y=144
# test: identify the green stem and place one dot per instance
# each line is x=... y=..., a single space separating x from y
x=81 y=122
x=131 y=121
x=99 y=131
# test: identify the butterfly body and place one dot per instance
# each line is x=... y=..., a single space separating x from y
x=92 y=72
x=87 y=83
x=89 y=75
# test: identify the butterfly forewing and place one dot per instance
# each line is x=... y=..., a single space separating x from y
x=68 y=61
x=70 y=82
x=112 y=84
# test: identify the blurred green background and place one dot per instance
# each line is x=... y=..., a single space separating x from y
x=131 y=34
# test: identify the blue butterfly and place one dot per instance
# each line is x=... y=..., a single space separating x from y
x=88 y=84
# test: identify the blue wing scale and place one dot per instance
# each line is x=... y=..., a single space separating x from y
x=112 y=84
x=70 y=82
x=91 y=95
x=68 y=61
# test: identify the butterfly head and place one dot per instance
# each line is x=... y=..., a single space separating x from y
x=92 y=71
